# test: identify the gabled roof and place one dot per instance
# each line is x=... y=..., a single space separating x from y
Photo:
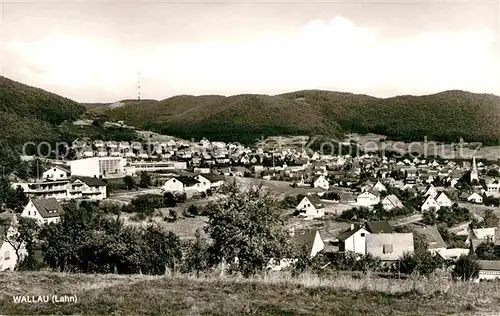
x=489 y=264
x=186 y=180
x=379 y=227
x=348 y=233
x=394 y=201
x=434 y=238
x=315 y=200
x=212 y=177
x=305 y=237
x=92 y=182
x=48 y=207
x=60 y=168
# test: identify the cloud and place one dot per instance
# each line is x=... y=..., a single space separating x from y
x=334 y=55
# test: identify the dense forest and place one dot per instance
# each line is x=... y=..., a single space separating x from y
x=445 y=116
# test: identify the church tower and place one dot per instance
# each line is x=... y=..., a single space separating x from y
x=474 y=174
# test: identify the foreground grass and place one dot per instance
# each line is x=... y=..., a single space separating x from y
x=278 y=295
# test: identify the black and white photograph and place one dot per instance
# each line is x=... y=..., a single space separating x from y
x=250 y=157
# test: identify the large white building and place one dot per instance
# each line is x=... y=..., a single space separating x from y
x=99 y=167
x=81 y=188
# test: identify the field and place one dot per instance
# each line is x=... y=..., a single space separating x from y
x=221 y=295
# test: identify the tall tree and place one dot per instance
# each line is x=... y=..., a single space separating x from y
x=20 y=233
x=249 y=229
x=145 y=181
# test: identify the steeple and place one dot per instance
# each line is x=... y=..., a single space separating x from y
x=474 y=174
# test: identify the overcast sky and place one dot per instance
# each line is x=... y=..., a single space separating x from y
x=92 y=52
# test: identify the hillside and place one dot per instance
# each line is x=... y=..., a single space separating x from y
x=278 y=295
x=32 y=114
x=444 y=116
x=243 y=118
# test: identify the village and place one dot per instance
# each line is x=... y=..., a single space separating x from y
x=364 y=203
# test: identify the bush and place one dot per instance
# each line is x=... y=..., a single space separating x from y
x=193 y=210
x=466 y=268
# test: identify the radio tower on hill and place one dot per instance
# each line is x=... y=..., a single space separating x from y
x=139 y=86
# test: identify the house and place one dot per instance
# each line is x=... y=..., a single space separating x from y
x=8 y=256
x=492 y=186
x=215 y=180
x=475 y=198
x=378 y=227
x=186 y=184
x=346 y=197
x=431 y=191
x=429 y=203
x=311 y=207
x=45 y=211
x=391 y=201
x=321 y=182
x=389 y=247
x=94 y=189
x=309 y=239
x=353 y=240
x=435 y=242
x=489 y=270
x=379 y=187
x=368 y=198
x=443 y=200
x=56 y=173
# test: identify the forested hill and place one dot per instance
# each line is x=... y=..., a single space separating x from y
x=32 y=114
x=444 y=116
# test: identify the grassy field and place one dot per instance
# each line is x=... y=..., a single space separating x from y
x=219 y=295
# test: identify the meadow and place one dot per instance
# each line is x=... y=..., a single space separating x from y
x=220 y=294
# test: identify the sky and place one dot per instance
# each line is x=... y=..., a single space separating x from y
x=97 y=51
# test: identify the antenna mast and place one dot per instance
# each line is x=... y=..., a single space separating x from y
x=139 y=86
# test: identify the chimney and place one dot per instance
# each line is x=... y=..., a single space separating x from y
x=352 y=226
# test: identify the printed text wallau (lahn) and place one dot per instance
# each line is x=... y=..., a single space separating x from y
x=53 y=298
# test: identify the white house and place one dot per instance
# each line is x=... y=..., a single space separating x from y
x=431 y=191
x=391 y=201
x=173 y=185
x=429 y=203
x=311 y=207
x=45 y=211
x=443 y=200
x=56 y=173
x=379 y=187
x=353 y=240
x=213 y=180
x=321 y=182
x=368 y=198
x=475 y=198
x=186 y=184
x=8 y=256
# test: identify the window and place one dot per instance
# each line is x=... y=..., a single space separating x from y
x=6 y=255
x=387 y=248
x=362 y=234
